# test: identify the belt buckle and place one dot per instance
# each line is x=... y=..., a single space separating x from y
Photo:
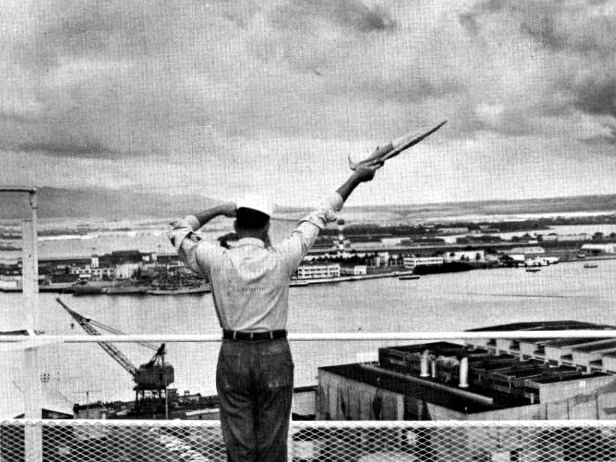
x=252 y=335
x=234 y=335
x=271 y=333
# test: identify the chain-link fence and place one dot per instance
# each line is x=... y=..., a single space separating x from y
x=162 y=441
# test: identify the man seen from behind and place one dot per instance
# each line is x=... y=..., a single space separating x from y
x=250 y=287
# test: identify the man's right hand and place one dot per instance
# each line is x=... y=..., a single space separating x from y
x=229 y=209
x=365 y=173
x=362 y=174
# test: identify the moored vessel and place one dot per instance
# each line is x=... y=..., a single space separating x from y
x=202 y=289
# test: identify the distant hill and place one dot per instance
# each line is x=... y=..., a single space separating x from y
x=106 y=204
x=438 y=211
x=110 y=204
x=572 y=204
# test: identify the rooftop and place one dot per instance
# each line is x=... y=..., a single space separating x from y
x=416 y=388
x=544 y=325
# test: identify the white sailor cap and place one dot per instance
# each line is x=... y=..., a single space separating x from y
x=257 y=202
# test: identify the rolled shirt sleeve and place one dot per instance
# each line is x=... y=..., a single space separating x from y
x=190 y=248
x=181 y=229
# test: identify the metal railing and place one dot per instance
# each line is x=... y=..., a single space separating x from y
x=311 y=337
x=317 y=440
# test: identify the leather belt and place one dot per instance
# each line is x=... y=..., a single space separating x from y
x=268 y=335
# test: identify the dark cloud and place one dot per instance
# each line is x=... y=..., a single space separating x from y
x=469 y=22
x=605 y=140
x=318 y=35
x=569 y=51
x=411 y=88
x=67 y=29
x=70 y=148
x=573 y=29
x=576 y=27
x=596 y=95
x=349 y=14
x=239 y=13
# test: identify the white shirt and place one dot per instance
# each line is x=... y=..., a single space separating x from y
x=250 y=283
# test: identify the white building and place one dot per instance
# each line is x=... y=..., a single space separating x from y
x=318 y=271
x=412 y=262
x=540 y=261
x=92 y=272
x=367 y=246
x=600 y=248
x=10 y=282
x=383 y=258
x=353 y=270
x=392 y=241
x=533 y=250
x=126 y=270
x=470 y=255
x=453 y=230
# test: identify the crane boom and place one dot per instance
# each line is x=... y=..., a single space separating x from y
x=109 y=348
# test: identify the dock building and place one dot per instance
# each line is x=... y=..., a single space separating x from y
x=489 y=379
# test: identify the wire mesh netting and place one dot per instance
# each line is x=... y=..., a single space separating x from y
x=153 y=441
x=353 y=401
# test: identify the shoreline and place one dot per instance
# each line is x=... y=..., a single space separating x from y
x=140 y=289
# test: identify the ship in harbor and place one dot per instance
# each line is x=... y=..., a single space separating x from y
x=179 y=289
x=105 y=288
x=446 y=267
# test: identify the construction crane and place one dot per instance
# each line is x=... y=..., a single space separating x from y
x=151 y=379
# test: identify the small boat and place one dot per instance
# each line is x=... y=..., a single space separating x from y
x=180 y=290
x=124 y=290
x=57 y=287
x=590 y=265
x=533 y=269
x=87 y=289
x=409 y=277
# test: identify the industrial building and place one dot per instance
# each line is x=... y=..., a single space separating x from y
x=599 y=249
x=488 y=379
x=314 y=271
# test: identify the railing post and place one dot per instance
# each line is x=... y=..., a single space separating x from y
x=33 y=408
x=33 y=399
x=29 y=272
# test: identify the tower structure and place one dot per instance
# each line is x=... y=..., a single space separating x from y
x=340 y=243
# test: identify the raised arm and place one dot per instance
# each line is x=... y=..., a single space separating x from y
x=228 y=209
x=297 y=245
x=185 y=241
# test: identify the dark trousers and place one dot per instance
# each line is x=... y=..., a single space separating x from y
x=254 y=380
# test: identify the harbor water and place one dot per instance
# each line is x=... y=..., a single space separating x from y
x=443 y=302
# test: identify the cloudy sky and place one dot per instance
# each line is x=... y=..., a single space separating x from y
x=219 y=98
